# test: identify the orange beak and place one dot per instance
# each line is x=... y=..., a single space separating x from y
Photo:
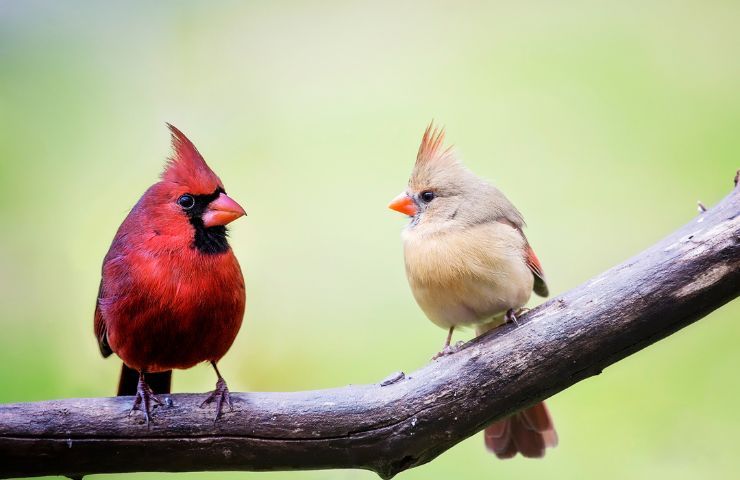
x=222 y=211
x=404 y=204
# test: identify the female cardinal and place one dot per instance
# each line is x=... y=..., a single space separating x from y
x=469 y=264
x=172 y=293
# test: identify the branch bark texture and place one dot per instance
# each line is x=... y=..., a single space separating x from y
x=407 y=420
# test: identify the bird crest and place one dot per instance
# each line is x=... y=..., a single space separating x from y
x=433 y=159
x=432 y=148
x=187 y=167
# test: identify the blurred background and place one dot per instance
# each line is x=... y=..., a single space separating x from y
x=603 y=124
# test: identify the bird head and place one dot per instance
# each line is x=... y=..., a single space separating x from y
x=191 y=199
x=443 y=192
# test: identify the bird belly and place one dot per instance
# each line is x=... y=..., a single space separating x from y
x=157 y=341
x=472 y=301
x=467 y=278
x=174 y=323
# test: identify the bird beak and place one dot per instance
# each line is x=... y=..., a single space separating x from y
x=221 y=211
x=404 y=204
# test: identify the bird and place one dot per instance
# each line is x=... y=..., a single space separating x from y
x=469 y=264
x=172 y=292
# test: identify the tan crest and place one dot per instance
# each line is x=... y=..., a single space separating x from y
x=187 y=166
x=431 y=148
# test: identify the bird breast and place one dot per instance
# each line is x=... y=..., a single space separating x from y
x=467 y=275
x=172 y=310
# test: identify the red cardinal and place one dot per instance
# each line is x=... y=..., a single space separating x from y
x=469 y=264
x=172 y=293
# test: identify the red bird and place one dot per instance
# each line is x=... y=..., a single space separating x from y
x=172 y=293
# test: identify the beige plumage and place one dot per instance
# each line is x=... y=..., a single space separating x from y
x=469 y=264
x=469 y=275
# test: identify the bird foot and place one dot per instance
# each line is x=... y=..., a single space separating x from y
x=219 y=395
x=449 y=350
x=511 y=316
x=144 y=397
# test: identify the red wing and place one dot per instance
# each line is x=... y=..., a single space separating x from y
x=540 y=287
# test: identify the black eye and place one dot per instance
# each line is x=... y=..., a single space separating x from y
x=186 y=201
x=427 y=196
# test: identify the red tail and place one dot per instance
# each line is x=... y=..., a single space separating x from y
x=528 y=432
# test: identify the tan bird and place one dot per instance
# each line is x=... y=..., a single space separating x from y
x=469 y=264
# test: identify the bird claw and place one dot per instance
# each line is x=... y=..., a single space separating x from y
x=144 y=396
x=449 y=350
x=219 y=395
x=510 y=316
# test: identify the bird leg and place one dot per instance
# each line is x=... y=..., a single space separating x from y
x=449 y=349
x=144 y=396
x=219 y=395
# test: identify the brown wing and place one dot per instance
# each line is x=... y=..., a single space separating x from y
x=100 y=329
x=540 y=287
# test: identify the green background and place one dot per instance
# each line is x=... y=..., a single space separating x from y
x=603 y=124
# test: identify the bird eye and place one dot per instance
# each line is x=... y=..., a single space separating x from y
x=427 y=196
x=186 y=201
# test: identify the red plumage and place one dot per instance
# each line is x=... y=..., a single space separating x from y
x=529 y=432
x=540 y=287
x=172 y=293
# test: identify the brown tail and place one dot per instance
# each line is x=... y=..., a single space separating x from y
x=159 y=382
x=529 y=432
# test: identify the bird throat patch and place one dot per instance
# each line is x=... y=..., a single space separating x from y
x=207 y=240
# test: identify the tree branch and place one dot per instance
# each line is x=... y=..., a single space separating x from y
x=407 y=420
